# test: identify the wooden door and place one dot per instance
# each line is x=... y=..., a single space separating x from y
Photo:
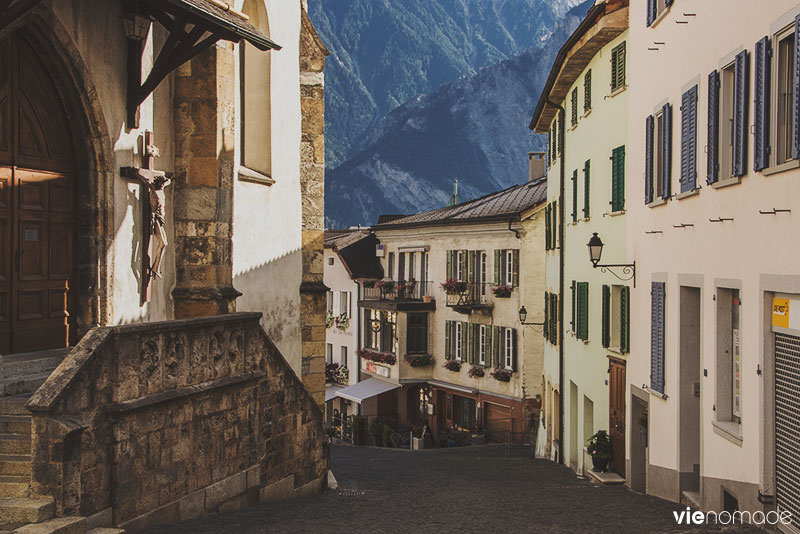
x=37 y=205
x=498 y=421
x=616 y=414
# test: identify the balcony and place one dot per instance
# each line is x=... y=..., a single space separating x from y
x=404 y=295
x=466 y=297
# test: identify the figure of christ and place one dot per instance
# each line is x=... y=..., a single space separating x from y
x=155 y=187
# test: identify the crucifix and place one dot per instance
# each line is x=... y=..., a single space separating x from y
x=153 y=215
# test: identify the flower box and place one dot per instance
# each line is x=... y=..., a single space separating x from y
x=343 y=322
x=452 y=365
x=377 y=357
x=476 y=372
x=502 y=291
x=336 y=373
x=453 y=287
x=501 y=375
x=420 y=361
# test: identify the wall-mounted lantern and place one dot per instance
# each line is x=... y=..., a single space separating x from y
x=627 y=270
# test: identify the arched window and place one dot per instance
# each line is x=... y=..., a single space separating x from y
x=255 y=102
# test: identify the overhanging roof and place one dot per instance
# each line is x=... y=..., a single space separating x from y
x=366 y=389
x=330 y=391
x=604 y=22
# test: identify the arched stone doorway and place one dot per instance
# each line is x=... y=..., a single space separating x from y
x=37 y=205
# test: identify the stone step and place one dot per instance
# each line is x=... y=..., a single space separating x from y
x=106 y=531
x=14 y=486
x=9 y=527
x=15 y=444
x=15 y=465
x=18 y=385
x=15 y=424
x=14 y=405
x=691 y=498
x=33 y=362
x=32 y=510
x=59 y=525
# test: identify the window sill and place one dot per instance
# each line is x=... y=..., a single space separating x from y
x=617 y=91
x=573 y=127
x=728 y=430
x=787 y=166
x=660 y=201
x=616 y=350
x=586 y=113
x=725 y=183
x=654 y=393
x=255 y=177
x=661 y=16
x=615 y=213
x=687 y=194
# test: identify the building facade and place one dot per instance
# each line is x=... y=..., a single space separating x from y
x=582 y=109
x=713 y=148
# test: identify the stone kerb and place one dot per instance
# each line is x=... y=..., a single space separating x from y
x=156 y=422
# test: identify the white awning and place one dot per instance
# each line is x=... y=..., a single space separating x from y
x=330 y=391
x=366 y=389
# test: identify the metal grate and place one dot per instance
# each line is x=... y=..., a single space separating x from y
x=787 y=423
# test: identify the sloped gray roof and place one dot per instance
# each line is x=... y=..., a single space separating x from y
x=504 y=204
x=356 y=249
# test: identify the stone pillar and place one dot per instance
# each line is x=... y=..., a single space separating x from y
x=312 y=188
x=204 y=114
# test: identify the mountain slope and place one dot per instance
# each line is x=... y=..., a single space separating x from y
x=386 y=52
x=474 y=129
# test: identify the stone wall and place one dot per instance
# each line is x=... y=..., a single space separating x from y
x=312 y=188
x=160 y=422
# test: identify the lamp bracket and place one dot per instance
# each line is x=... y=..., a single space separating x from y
x=627 y=271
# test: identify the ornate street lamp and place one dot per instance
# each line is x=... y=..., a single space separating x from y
x=627 y=270
x=523 y=314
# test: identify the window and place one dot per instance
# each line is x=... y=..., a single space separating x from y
x=401 y=266
x=483 y=273
x=412 y=260
x=618 y=67
x=506 y=267
x=574 y=117
x=658 y=295
x=379 y=330
x=509 y=347
x=329 y=302
x=689 y=140
x=785 y=120
x=417 y=333
x=616 y=317
x=343 y=355
x=729 y=394
x=330 y=260
x=459 y=339
x=511 y=267
x=464 y=416
x=254 y=94
x=658 y=157
x=586 y=190
x=460 y=265
x=329 y=353
x=482 y=345
x=582 y=310
x=344 y=303
x=390 y=273
x=618 y=179
x=587 y=91
x=728 y=120
x=656 y=8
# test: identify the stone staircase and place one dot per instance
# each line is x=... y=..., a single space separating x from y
x=21 y=512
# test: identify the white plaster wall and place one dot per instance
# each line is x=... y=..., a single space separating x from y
x=743 y=249
x=338 y=279
x=267 y=265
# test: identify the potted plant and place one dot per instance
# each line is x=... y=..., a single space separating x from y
x=387 y=286
x=502 y=291
x=328 y=319
x=501 y=375
x=336 y=373
x=476 y=372
x=599 y=448
x=343 y=322
x=370 y=283
x=453 y=287
x=452 y=365
x=420 y=361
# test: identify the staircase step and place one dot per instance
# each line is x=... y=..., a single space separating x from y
x=15 y=465
x=15 y=444
x=106 y=531
x=59 y=525
x=17 y=385
x=32 y=510
x=14 y=486
x=33 y=362
x=691 y=498
x=15 y=424
x=14 y=405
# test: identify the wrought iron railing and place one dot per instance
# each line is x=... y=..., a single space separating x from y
x=404 y=290
x=471 y=294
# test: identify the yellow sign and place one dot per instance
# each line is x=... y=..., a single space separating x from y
x=780 y=312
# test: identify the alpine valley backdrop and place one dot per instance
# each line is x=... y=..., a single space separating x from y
x=421 y=92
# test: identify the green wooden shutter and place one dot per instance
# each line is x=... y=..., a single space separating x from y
x=514 y=350
x=546 y=316
x=583 y=310
x=496 y=267
x=488 y=346
x=448 y=349
x=554 y=318
x=464 y=341
x=575 y=195
x=606 y=316
x=618 y=179
x=470 y=343
x=574 y=116
x=587 y=91
x=625 y=319
x=618 y=67
x=464 y=265
x=515 y=268
x=555 y=224
x=503 y=260
x=498 y=346
x=547 y=229
x=586 y=190
x=573 y=310
x=471 y=267
x=449 y=264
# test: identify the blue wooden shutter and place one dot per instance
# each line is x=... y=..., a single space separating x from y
x=713 y=128
x=689 y=140
x=666 y=150
x=741 y=90
x=586 y=189
x=606 y=316
x=575 y=195
x=649 y=129
x=796 y=92
x=652 y=11
x=658 y=297
x=762 y=110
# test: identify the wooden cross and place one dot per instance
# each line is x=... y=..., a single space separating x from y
x=155 y=181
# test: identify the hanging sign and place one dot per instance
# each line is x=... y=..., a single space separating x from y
x=786 y=313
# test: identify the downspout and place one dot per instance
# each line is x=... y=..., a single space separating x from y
x=561 y=249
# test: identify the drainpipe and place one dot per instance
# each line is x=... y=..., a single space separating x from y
x=561 y=249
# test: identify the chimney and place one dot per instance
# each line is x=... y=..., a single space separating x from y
x=536 y=166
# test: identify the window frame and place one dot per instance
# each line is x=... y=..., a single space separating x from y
x=329 y=353
x=417 y=331
x=343 y=355
x=509 y=267
x=508 y=354
x=459 y=342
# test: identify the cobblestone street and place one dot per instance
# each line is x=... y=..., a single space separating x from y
x=400 y=491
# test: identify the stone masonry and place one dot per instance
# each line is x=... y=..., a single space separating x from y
x=312 y=187
x=154 y=423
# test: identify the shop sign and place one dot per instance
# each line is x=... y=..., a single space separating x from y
x=780 y=312
x=376 y=369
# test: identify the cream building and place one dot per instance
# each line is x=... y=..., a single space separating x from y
x=583 y=108
x=459 y=359
x=712 y=216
